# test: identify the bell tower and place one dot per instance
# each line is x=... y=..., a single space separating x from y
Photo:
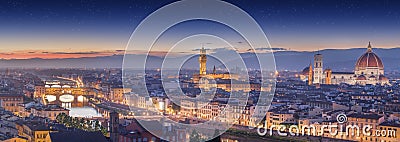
x=203 y=61
x=113 y=126
x=318 y=72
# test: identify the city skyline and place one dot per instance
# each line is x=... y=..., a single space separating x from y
x=89 y=29
x=199 y=71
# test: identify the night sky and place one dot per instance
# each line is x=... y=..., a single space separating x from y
x=75 y=28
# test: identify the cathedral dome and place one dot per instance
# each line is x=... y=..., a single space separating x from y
x=305 y=71
x=383 y=78
x=369 y=60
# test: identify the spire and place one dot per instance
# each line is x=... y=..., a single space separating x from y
x=202 y=50
x=214 y=70
x=369 y=47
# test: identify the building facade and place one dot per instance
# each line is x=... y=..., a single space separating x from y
x=10 y=102
x=369 y=69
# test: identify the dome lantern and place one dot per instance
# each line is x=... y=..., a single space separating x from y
x=369 y=49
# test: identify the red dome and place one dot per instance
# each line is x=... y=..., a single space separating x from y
x=305 y=71
x=368 y=59
x=361 y=77
x=383 y=78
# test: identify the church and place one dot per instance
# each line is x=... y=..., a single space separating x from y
x=368 y=69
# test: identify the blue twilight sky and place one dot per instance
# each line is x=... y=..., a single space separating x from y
x=78 y=28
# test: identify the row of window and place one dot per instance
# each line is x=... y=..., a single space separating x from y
x=10 y=104
x=12 y=99
x=41 y=136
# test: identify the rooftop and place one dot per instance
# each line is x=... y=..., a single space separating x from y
x=77 y=137
x=367 y=116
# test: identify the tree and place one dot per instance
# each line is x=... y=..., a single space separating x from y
x=103 y=130
x=89 y=124
x=97 y=125
x=82 y=123
x=68 y=121
x=60 y=118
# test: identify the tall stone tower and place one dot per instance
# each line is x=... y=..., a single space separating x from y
x=310 y=74
x=203 y=61
x=113 y=124
x=318 y=71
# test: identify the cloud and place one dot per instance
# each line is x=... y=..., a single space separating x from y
x=199 y=49
x=273 y=49
x=23 y=54
x=90 y=52
x=225 y=49
x=6 y=53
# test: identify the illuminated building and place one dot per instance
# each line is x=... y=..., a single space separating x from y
x=310 y=75
x=117 y=94
x=203 y=61
x=10 y=102
x=40 y=91
x=275 y=118
x=368 y=69
x=328 y=76
x=390 y=131
x=318 y=74
x=372 y=120
x=33 y=131
x=49 y=111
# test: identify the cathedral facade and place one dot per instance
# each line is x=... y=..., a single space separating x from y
x=368 y=69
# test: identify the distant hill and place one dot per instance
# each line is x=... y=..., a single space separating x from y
x=336 y=59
